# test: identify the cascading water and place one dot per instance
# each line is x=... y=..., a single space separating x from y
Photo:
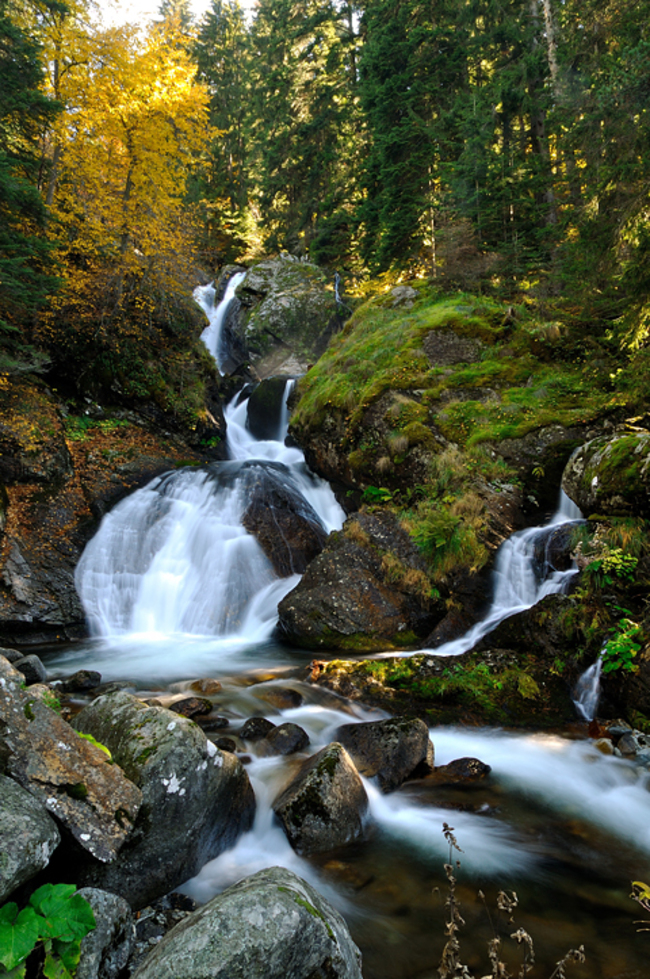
x=520 y=579
x=587 y=691
x=213 y=335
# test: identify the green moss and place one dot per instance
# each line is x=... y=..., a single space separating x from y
x=76 y=790
x=314 y=912
x=28 y=710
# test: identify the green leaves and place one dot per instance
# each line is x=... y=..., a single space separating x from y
x=19 y=933
x=56 y=916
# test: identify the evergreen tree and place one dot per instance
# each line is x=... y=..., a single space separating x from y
x=26 y=277
x=177 y=12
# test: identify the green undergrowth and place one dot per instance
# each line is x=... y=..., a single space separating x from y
x=472 y=690
x=529 y=373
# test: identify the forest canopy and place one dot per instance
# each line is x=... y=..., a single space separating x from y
x=499 y=148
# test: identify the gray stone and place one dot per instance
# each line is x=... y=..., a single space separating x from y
x=611 y=475
x=105 y=951
x=272 y=925
x=444 y=348
x=11 y=654
x=286 y=739
x=73 y=778
x=391 y=750
x=31 y=668
x=28 y=836
x=325 y=805
x=196 y=799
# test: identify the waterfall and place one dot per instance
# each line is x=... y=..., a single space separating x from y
x=587 y=691
x=519 y=582
x=212 y=336
x=175 y=559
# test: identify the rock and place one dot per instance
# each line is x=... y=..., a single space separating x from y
x=272 y=925
x=267 y=408
x=552 y=550
x=106 y=950
x=28 y=836
x=462 y=771
x=604 y=745
x=31 y=668
x=444 y=348
x=286 y=739
x=366 y=591
x=256 y=728
x=192 y=706
x=80 y=681
x=611 y=476
x=207 y=686
x=391 y=750
x=283 y=522
x=284 y=698
x=71 y=777
x=286 y=313
x=196 y=801
x=11 y=654
x=226 y=744
x=403 y=296
x=325 y=805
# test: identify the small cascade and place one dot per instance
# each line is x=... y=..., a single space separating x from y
x=587 y=691
x=213 y=335
x=521 y=578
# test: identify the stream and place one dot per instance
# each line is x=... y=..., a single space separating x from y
x=176 y=589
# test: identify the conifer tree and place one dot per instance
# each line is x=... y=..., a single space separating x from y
x=26 y=274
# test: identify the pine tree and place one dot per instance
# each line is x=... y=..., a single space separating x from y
x=26 y=272
x=176 y=12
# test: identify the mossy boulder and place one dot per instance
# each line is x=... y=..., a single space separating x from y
x=325 y=805
x=367 y=590
x=272 y=925
x=196 y=799
x=610 y=475
x=390 y=751
x=287 y=315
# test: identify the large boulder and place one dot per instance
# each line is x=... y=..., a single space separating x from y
x=28 y=836
x=286 y=317
x=366 y=591
x=285 y=525
x=325 y=805
x=391 y=750
x=272 y=925
x=72 y=778
x=196 y=799
x=611 y=475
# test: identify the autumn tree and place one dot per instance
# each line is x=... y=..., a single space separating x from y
x=135 y=120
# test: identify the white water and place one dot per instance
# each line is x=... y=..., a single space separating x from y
x=516 y=585
x=587 y=691
x=212 y=335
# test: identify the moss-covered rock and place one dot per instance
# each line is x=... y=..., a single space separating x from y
x=287 y=315
x=611 y=475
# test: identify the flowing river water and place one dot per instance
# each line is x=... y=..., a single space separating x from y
x=175 y=589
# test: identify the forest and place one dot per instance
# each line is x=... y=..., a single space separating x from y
x=501 y=148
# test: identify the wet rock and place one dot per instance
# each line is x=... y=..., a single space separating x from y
x=11 y=654
x=462 y=771
x=286 y=739
x=31 y=668
x=284 y=524
x=354 y=597
x=226 y=744
x=192 y=706
x=106 y=950
x=216 y=723
x=286 y=314
x=80 y=681
x=390 y=750
x=256 y=728
x=206 y=686
x=272 y=925
x=552 y=549
x=71 y=777
x=196 y=800
x=604 y=745
x=155 y=921
x=325 y=805
x=611 y=475
x=266 y=408
x=284 y=698
x=28 y=836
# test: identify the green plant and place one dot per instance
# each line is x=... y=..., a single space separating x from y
x=56 y=919
x=98 y=744
x=377 y=494
x=52 y=701
x=621 y=648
